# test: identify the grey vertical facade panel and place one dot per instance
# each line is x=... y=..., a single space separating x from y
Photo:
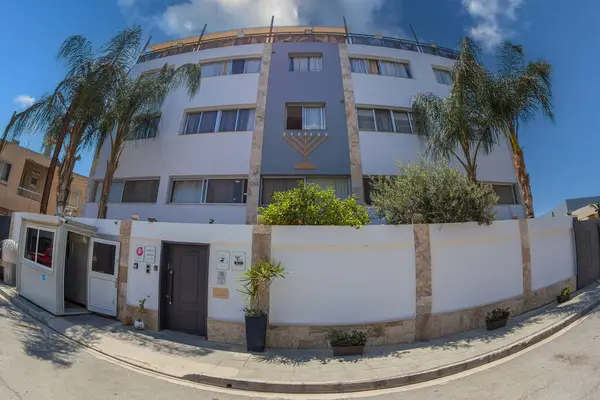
x=285 y=86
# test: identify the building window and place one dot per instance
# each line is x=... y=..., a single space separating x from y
x=380 y=67
x=211 y=191
x=231 y=67
x=34 y=178
x=306 y=63
x=272 y=185
x=443 y=76
x=219 y=121
x=305 y=117
x=4 y=171
x=382 y=120
x=147 y=127
x=129 y=191
x=38 y=246
x=506 y=193
x=73 y=200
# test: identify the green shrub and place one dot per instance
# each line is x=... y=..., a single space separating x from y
x=343 y=339
x=311 y=205
x=433 y=193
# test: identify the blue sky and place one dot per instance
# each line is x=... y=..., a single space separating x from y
x=561 y=156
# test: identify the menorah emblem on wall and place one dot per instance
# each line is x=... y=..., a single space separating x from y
x=305 y=143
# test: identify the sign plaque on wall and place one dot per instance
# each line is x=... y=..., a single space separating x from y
x=223 y=260
x=221 y=277
x=220 y=293
x=139 y=254
x=150 y=254
x=238 y=260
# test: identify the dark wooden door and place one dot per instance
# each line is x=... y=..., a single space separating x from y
x=587 y=245
x=187 y=288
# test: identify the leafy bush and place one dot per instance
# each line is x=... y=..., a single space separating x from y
x=497 y=314
x=344 y=339
x=311 y=205
x=566 y=291
x=435 y=193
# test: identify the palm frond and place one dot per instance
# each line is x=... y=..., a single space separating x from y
x=76 y=52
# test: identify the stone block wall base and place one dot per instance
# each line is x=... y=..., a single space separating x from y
x=226 y=332
x=151 y=317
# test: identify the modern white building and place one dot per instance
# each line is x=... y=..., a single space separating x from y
x=279 y=105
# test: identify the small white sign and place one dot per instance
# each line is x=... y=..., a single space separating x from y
x=223 y=260
x=238 y=260
x=139 y=254
x=221 y=277
x=150 y=254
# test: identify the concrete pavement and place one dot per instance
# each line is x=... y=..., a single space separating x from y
x=300 y=371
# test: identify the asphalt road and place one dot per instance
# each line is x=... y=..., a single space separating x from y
x=36 y=363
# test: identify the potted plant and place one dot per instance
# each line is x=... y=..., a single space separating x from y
x=496 y=318
x=139 y=321
x=565 y=295
x=256 y=281
x=347 y=343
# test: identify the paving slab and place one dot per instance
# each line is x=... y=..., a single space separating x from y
x=188 y=357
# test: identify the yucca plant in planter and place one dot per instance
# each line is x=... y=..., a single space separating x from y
x=496 y=318
x=564 y=296
x=256 y=282
x=347 y=343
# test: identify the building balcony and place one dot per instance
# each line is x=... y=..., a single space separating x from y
x=29 y=194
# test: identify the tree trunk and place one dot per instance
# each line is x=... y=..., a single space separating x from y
x=522 y=175
x=64 y=182
x=111 y=166
x=54 y=161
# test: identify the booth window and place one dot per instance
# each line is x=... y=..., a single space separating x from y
x=38 y=246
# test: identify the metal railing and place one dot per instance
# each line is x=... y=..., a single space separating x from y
x=284 y=37
x=30 y=194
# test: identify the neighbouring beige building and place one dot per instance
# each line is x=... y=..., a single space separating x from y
x=22 y=178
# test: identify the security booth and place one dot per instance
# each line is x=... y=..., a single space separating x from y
x=65 y=269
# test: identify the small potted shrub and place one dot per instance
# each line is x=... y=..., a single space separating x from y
x=347 y=343
x=256 y=282
x=139 y=321
x=565 y=295
x=496 y=318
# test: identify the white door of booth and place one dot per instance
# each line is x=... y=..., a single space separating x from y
x=103 y=268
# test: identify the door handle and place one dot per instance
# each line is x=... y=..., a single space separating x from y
x=170 y=293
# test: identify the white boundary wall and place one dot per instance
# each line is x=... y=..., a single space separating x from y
x=343 y=275
x=473 y=265
x=552 y=250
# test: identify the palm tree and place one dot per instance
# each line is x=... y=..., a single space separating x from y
x=521 y=91
x=89 y=76
x=135 y=100
x=461 y=125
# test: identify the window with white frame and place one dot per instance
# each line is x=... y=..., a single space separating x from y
x=380 y=67
x=301 y=117
x=208 y=191
x=147 y=127
x=129 y=191
x=272 y=185
x=4 y=171
x=74 y=197
x=506 y=193
x=230 y=67
x=443 y=76
x=306 y=63
x=219 y=121
x=38 y=247
x=384 y=120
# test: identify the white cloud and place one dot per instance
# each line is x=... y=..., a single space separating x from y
x=188 y=17
x=490 y=18
x=23 y=100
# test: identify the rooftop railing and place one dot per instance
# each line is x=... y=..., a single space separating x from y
x=284 y=37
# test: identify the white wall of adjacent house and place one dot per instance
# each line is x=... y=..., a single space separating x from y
x=343 y=275
x=473 y=265
x=172 y=154
x=552 y=245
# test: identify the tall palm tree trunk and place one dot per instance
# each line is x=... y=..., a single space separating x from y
x=111 y=166
x=522 y=175
x=56 y=154
x=65 y=177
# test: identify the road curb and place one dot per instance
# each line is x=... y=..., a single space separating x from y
x=323 y=387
